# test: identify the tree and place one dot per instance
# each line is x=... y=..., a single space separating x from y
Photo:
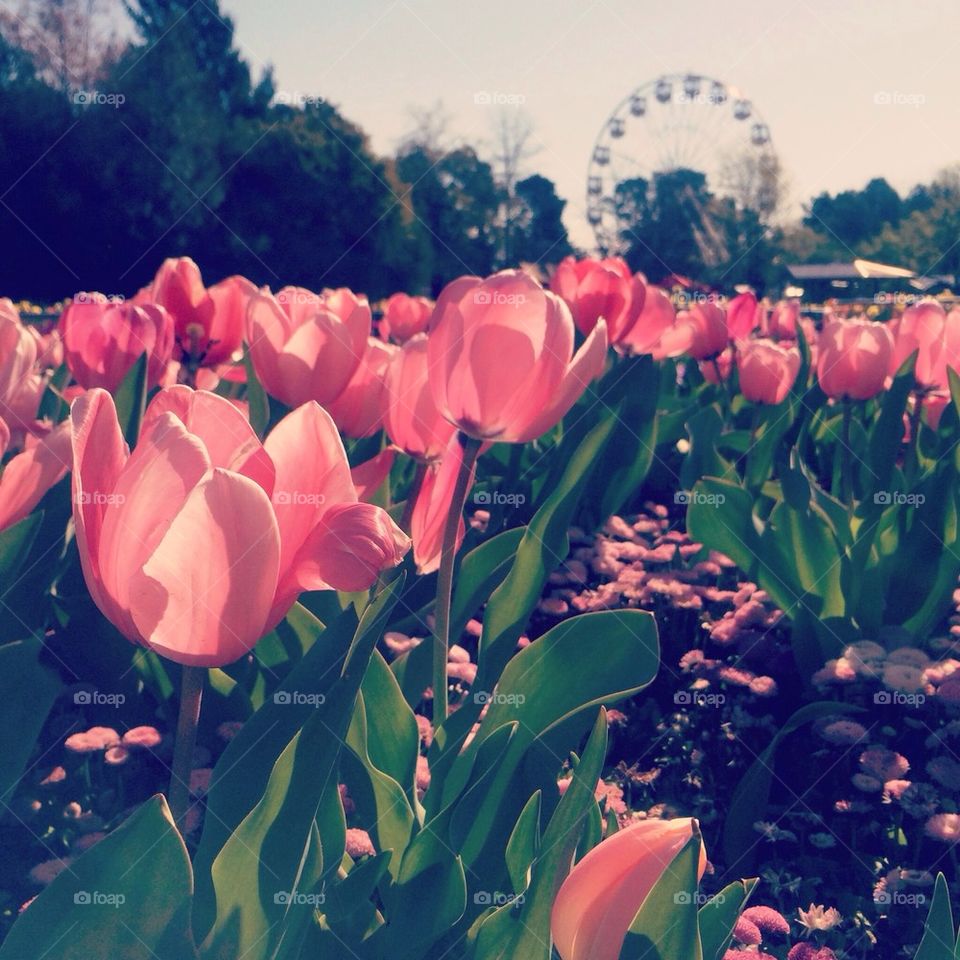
x=539 y=235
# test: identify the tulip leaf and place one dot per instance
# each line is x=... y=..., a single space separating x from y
x=886 y=435
x=522 y=928
x=258 y=403
x=276 y=859
x=720 y=515
x=939 y=938
x=128 y=896
x=15 y=545
x=718 y=916
x=348 y=909
x=131 y=400
x=666 y=926
x=524 y=844
x=27 y=691
x=52 y=405
x=752 y=794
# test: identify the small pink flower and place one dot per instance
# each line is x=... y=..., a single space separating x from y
x=359 y=844
x=767 y=919
x=747 y=932
x=145 y=737
x=944 y=827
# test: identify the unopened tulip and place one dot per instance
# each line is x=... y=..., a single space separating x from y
x=767 y=371
x=358 y=410
x=781 y=323
x=603 y=893
x=21 y=387
x=935 y=336
x=501 y=358
x=717 y=370
x=657 y=316
x=199 y=541
x=410 y=416
x=600 y=289
x=404 y=317
x=306 y=346
x=103 y=340
x=30 y=474
x=743 y=316
x=208 y=323
x=700 y=332
x=853 y=358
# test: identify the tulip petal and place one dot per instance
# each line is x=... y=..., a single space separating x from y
x=208 y=607
x=29 y=475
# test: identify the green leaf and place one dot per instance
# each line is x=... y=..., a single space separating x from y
x=27 y=691
x=720 y=515
x=719 y=915
x=277 y=853
x=131 y=400
x=128 y=896
x=749 y=801
x=257 y=400
x=510 y=931
x=15 y=545
x=524 y=844
x=939 y=938
x=666 y=925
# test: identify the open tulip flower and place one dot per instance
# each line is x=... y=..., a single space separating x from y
x=853 y=358
x=358 y=411
x=700 y=332
x=603 y=893
x=404 y=317
x=767 y=371
x=657 y=316
x=199 y=541
x=600 y=289
x=744 y=314
x=103 y=340
x=500 y=356
x=43 y=462
x=21 y=387
x=928 y=329
x=306 y=346
x=781 y=322
x=208 y=323
x=410 y=415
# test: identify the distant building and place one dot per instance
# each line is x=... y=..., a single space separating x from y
x=857 y=280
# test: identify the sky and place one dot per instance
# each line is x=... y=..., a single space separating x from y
x=850 y=89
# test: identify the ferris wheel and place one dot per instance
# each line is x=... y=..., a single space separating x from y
x=677 y=121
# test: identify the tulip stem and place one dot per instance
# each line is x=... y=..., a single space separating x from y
x=846 y=460
x=441 y=630
x=191 y=690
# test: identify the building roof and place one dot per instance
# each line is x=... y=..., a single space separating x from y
x=857 y=270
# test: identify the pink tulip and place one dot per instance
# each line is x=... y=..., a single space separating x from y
x=657 y=316
x=208 y=323
x=30 y=474
x=743 y=316
x=600 y=289
x=935 y=335
x=103 y=340
x=853 y=358
x=933 y=406
x=306 y=346
x=411 y=418
x=21 y=387
x=501 y=361
x=603 y=893
x=433 y=505
x=781 y=323
x=49 y=348
x=767 y=371
x=700 y=332
x=404 y=317
x=199 y=541
x=717 y=370
x=358 y=411
x=368 y=477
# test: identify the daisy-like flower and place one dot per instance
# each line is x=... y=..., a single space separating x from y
x=844 y=733
x=818 y=917
x=944 y=827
